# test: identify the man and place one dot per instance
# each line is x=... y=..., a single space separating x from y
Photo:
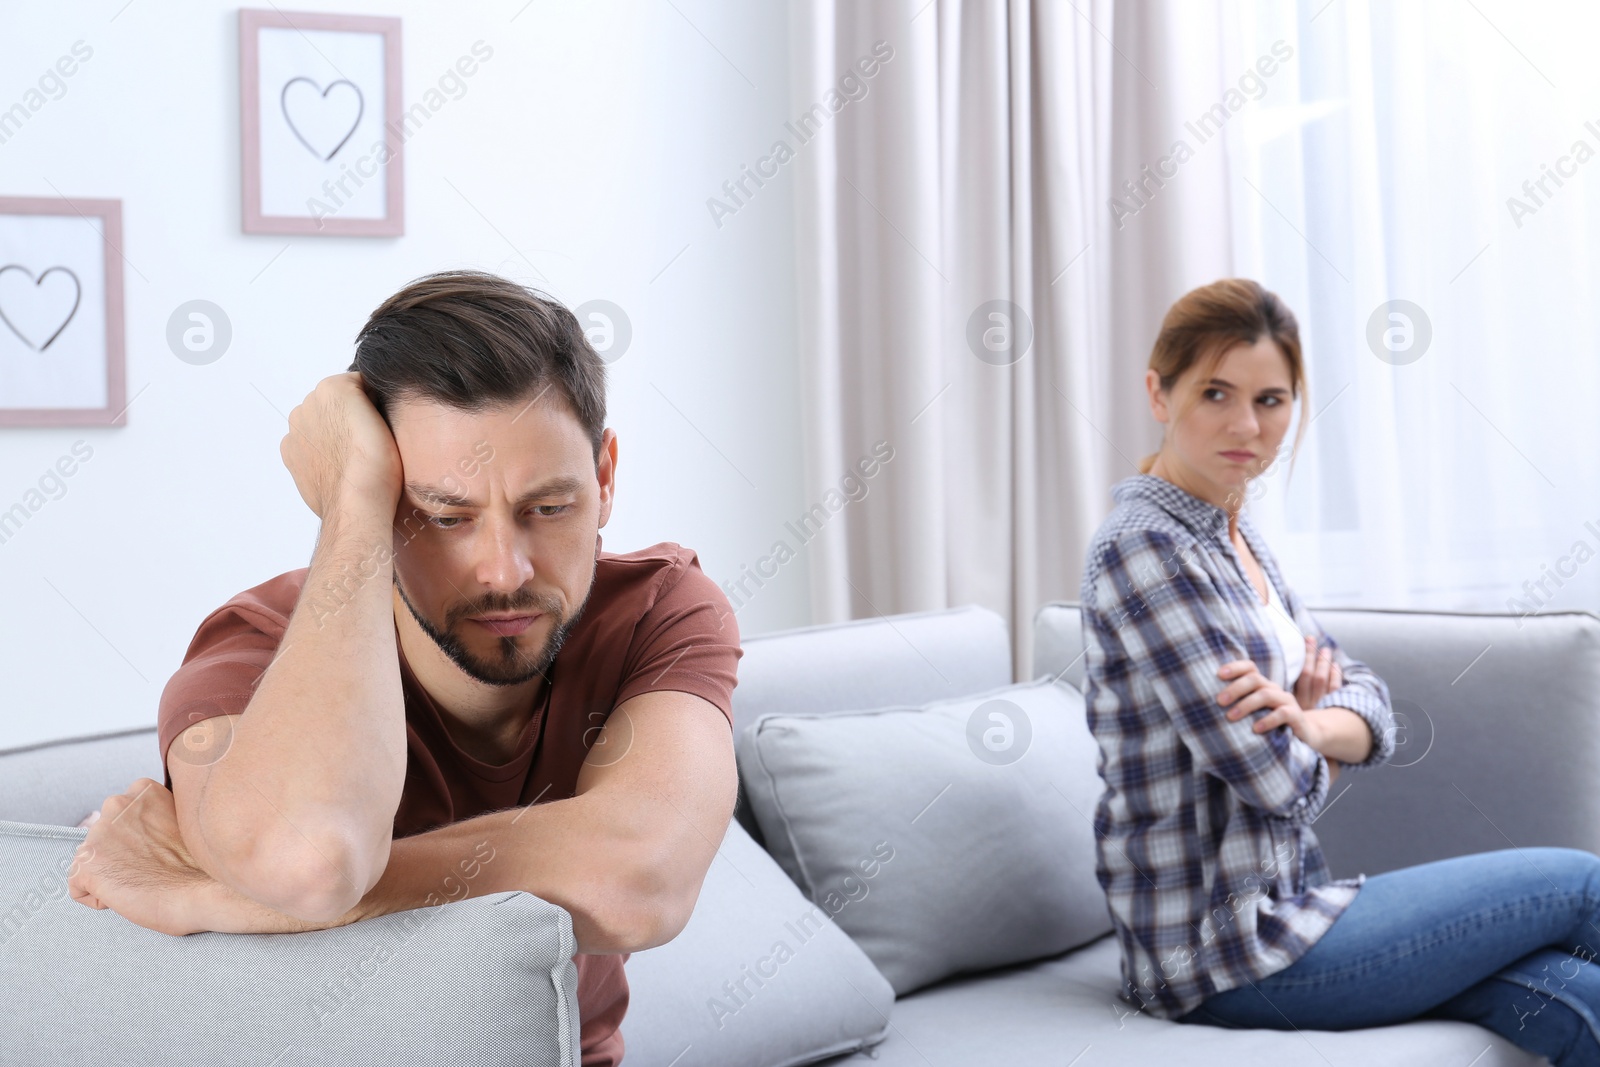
x=460 y=681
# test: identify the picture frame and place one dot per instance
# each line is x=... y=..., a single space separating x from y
x=62 y=359
x=320 y=99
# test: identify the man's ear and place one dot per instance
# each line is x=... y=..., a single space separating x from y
x=605 y=472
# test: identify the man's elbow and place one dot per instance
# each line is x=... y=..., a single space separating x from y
x=313 y=883
x=644 y=912
x=663 y=920
x=335 y=878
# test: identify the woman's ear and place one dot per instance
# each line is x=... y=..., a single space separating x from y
x=1158 y=398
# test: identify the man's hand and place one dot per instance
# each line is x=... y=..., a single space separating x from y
x=1320 y=676
x=338 y=443
x=134 y=862
x=1248 y=690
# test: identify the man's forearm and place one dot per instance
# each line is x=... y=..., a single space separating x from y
x=315 y=769
x=625 y=857
x=451 y=863
x=558 y=851
x=471 y=858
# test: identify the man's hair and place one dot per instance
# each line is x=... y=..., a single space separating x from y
x=473 y=340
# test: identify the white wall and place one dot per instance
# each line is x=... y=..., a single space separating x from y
x=584 y=151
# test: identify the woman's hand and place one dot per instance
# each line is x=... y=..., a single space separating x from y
x=1320 y=676
x=1248 y=690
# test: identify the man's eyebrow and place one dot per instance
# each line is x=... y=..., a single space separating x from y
x=558 y=486
x=1229 y=385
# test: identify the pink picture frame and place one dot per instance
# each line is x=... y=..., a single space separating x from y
x=51 y=246
x=314 y=157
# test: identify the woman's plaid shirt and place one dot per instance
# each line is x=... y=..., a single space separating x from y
x=1211 y=871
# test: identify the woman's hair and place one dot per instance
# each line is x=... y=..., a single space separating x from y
x=1208 y=321
x=472 y=340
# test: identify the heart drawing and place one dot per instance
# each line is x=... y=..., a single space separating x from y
x=34 y=311
x=317 y=119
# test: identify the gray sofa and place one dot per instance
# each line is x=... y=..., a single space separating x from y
x=1498 y=743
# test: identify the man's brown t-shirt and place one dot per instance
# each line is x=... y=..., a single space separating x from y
x=653 y=621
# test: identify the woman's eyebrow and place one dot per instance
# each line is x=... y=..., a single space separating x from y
x=1229 y=385
x=559 y=486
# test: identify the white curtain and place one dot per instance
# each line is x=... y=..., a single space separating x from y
x=953 y=207
x=1394 y=171
x=957 y=256
x=1444 y=155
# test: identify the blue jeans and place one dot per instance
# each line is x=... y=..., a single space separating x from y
x=1504 y=939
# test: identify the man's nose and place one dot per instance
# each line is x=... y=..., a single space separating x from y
x=505 y=564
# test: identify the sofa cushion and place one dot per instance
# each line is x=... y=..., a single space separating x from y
x=943 y=839
x=911 y=658
x=488 y=980
x=1464 y=760
x=1065 y=1011
x=758 y=978
x=1497 y=736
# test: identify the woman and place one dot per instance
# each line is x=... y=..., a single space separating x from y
x=1224 y=713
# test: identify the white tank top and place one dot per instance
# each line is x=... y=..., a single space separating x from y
x=1288 y=633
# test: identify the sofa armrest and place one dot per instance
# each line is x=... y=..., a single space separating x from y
x=493 y=976
x=59 y=782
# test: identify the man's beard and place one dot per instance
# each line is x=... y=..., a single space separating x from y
x=513 y=666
